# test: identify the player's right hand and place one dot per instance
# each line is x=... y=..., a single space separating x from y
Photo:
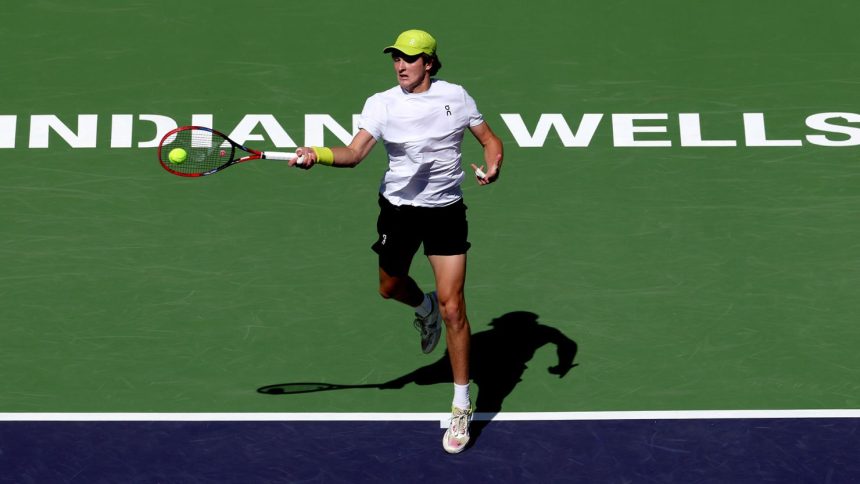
x=307 y=156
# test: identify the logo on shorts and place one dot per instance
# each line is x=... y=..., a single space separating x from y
x=384 y=238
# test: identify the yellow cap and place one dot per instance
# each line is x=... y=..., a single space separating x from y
x=414 y=42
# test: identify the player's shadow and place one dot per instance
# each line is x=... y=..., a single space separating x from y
x=499 y=357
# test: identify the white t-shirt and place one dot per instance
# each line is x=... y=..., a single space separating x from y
x=422 y=134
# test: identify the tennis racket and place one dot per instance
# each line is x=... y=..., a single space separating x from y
x=308 y=387
x=199 y=151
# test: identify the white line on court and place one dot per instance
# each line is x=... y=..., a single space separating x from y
x=428 y=417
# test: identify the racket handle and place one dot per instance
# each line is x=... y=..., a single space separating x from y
x=278 y=155
x=479 y=173
x=281 y=156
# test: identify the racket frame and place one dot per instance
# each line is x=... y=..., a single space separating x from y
x=252 y=153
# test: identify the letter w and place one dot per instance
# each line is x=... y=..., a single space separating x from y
x=582 y=138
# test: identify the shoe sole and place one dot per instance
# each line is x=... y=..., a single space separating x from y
x=436 y=334
x=435 y=341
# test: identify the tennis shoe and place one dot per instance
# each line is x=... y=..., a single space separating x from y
x=430 y=326
x=457 y=436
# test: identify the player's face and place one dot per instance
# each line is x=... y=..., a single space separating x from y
x=412 y=72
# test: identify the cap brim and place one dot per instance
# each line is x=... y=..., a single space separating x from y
x=404 y=49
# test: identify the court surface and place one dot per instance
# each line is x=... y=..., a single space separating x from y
x=677 y=213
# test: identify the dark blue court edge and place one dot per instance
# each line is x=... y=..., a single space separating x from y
x=628 y=451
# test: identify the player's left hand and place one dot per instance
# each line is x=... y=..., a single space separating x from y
x=490 y=175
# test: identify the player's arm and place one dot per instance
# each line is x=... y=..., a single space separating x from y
x=340 y=156
x=493 y=153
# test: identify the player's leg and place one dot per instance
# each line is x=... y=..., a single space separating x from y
x=446 y=244
x=450 y=272
x=398 y=241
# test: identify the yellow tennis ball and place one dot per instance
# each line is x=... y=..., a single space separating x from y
x=177 y=155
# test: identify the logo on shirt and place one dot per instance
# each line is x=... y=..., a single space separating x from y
x=447 y=110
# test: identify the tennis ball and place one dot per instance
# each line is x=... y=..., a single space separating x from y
x=177 y=155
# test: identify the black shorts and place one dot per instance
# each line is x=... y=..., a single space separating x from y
x=442 y=230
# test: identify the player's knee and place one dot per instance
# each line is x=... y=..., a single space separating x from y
x=386 y=290
x=454 y=314
x=389 y=287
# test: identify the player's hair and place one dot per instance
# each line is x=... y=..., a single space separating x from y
x=437 y=64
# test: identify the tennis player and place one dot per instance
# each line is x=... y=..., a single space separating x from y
x=422 y=122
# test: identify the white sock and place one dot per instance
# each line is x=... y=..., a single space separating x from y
x=425 y=307
x=461 y=397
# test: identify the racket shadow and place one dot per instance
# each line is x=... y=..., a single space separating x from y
x=308 y=387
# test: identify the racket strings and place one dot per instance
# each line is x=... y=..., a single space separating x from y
x=204 y=151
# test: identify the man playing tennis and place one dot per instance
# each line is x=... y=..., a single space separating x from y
x=421 y=122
